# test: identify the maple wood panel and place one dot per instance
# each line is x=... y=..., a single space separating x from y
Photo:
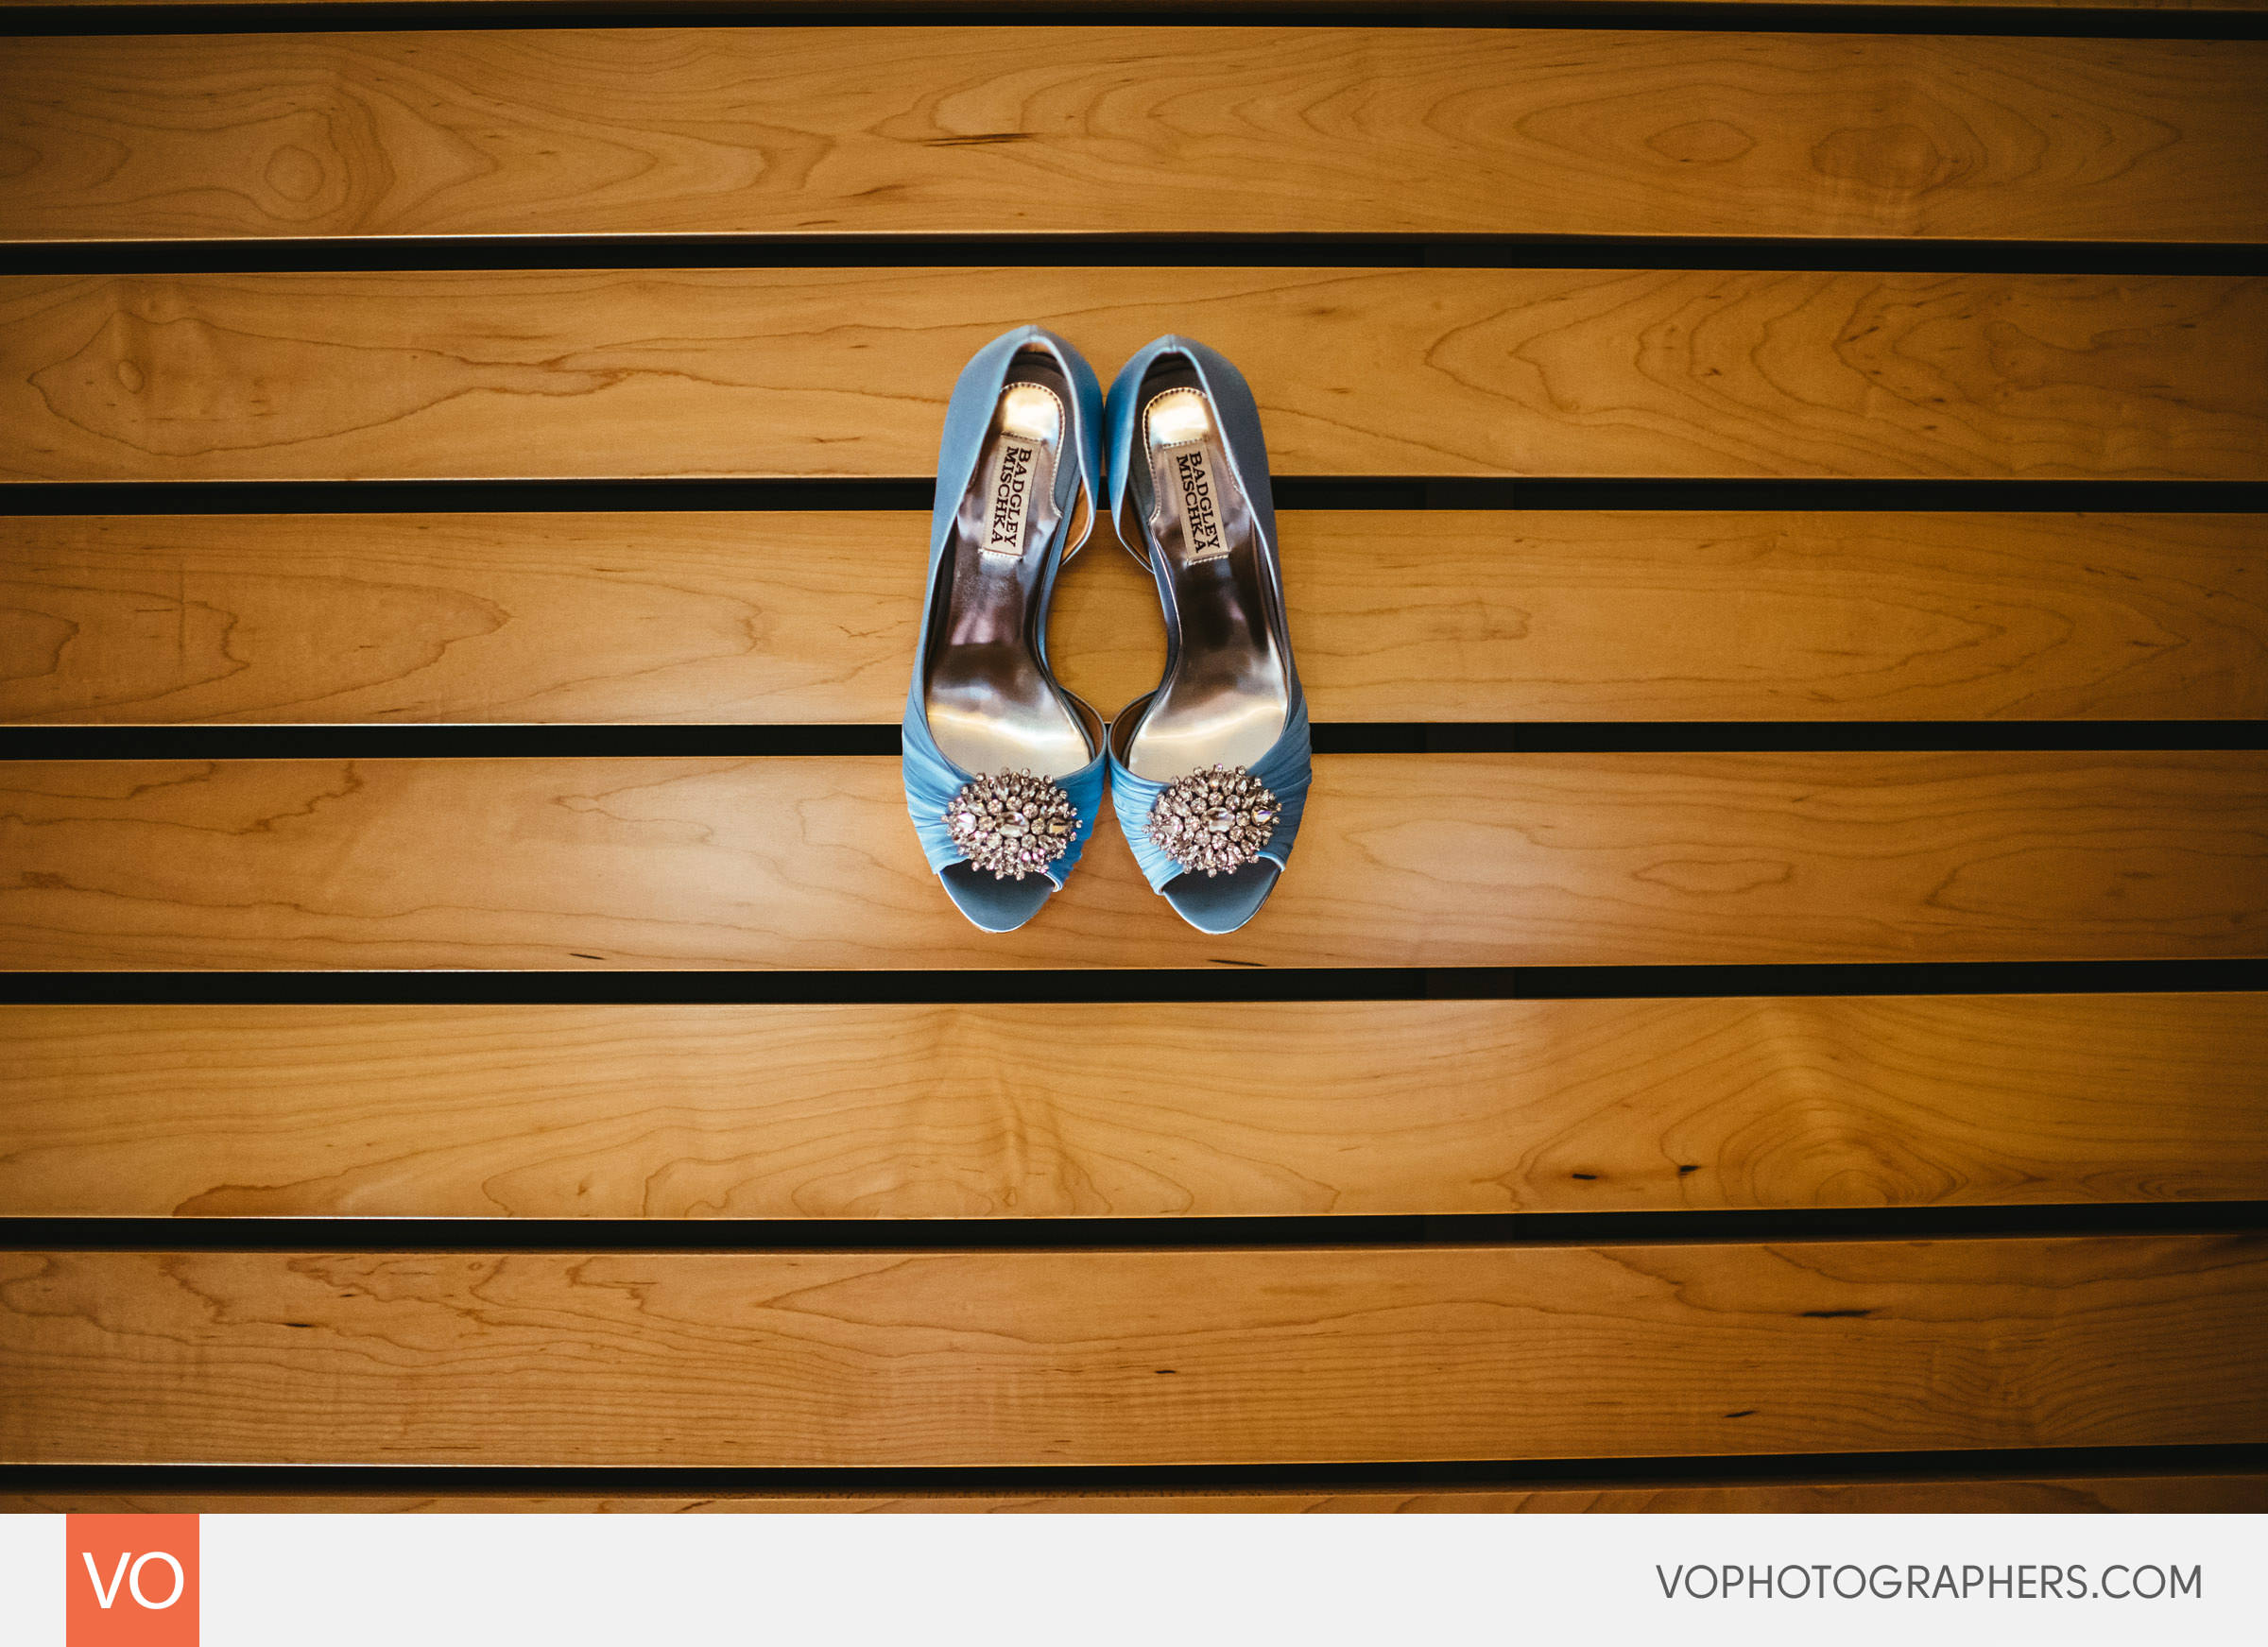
x=1131 y=1357
x=1435 y=615
x=2039 y=1495
x=1126 y=1110
x=844 y=372
x=1133 y=130
x=1405 y=861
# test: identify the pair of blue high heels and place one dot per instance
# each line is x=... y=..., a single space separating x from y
x=1005 y=770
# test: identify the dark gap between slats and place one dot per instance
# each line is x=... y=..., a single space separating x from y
x=913 y=494
x=1223 y=983
x=2098 y=22
x=481 y=253
x=949 y=1235
x=493 y=742
x=1019 y=1481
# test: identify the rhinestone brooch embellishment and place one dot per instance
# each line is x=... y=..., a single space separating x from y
x=1214 y=820
x=1011 y=823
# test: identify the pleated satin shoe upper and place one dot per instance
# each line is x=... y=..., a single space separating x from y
x=1209 y=774
x=1002 y=836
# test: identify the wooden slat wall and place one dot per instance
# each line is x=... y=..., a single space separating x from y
x=1125 y=1110
x=1164 y=1356
x=1446 y=371
x=1456 y=615
x=1405 y=861
x=1122 y=129
x=2234 y=1493
x=2147 y=364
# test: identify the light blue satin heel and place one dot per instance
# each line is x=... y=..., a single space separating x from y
x=1005 y=770
x=1209 y=773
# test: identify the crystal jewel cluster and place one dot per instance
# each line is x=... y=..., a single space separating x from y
x=1011 y=823
x=1214 y=820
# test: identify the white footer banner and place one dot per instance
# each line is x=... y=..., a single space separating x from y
x=1152 y=1580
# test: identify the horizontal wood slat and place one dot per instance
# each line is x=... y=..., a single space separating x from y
x=1491 y=10
x=1152 y=1110
x=1448 y=615
x=1111 y=129
x=1446 y=860
x=1290 y=1355
x=1359 y=371
x=2042 y=1494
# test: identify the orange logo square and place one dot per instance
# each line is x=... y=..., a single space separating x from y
x=129 y=1581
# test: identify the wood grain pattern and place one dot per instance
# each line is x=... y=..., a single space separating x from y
x=904 y=1112
x=1289 y=1355
x=1488 y=9
x=2031 y=1496
x=1441 y=616
x=1116 y=129
x=1450 y=860
x=1359 y=371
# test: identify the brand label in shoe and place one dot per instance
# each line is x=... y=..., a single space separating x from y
x=1008 y=494
x=1184 y=474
